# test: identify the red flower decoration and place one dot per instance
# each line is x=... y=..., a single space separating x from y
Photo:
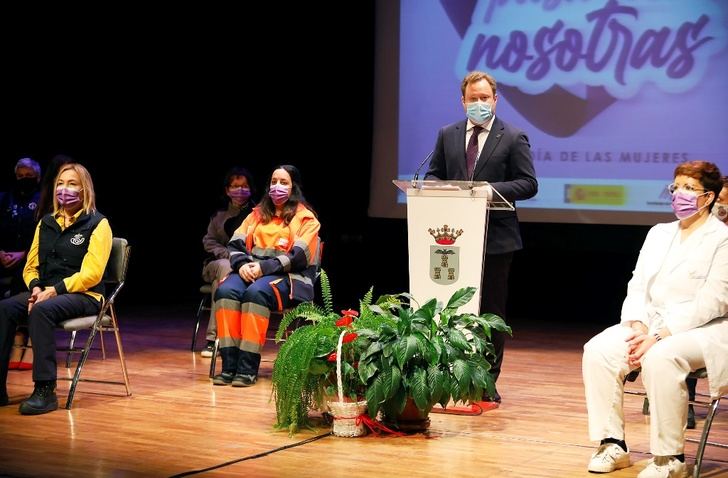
x=349 y=338
x=350 y=312
x=345 y=321
x=332 y=357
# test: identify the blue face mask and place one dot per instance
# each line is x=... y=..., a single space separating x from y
x=479 y=112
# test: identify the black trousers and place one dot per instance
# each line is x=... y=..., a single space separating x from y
x=41 y=324
x=494 y=295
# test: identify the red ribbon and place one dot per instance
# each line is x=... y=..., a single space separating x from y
x=377 y=427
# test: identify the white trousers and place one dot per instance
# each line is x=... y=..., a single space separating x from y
x=664 y=369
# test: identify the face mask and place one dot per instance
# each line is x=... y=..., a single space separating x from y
x=684 y=204
x=479 y=112
x=68 y=197
x=26 y=186
x=279 y=194
x=720 y=210
x=239 y=195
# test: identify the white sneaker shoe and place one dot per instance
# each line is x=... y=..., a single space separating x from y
x=207 y=351
x=607 y=458
x=664 y=467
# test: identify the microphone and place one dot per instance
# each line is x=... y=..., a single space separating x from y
x=417 y=171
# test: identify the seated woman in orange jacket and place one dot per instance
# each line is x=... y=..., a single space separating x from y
x=273 y=256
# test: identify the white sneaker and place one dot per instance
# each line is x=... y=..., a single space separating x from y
x=207 y=351
x=664 y=467
x=608 y=457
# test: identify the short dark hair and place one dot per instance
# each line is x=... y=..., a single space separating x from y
x=704 y=171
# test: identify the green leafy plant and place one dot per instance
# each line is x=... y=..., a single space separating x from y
x=431 y=354
x=304 y=372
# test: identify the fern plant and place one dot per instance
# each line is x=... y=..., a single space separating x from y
x=304 y=373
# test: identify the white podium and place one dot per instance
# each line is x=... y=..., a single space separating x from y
x=447 y=225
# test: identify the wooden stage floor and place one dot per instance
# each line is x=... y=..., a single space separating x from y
x=176 y=421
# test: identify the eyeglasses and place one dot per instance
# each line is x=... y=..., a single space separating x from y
x=683 y=187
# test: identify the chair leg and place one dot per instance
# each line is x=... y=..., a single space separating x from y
x=122 y=358
x=200 y=308
x=704 y=437
x=71 y=343
x=79 y=366
x=213 y=359
x=103 y=345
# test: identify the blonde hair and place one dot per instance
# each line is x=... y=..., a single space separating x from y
x=474 y=77
x=87 y=187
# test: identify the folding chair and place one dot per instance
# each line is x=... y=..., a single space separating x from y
x=104 y=321
x=205 y=306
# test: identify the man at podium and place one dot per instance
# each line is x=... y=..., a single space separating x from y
x=485 y=148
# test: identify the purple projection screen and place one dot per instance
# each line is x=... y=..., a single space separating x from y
x=611 y=93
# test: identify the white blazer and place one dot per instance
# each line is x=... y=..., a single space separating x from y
x=697 y=283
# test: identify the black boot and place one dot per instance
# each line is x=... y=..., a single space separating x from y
x=4 y=399
x=43 y=400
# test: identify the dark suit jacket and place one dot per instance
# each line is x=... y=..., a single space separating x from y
x=505 y=162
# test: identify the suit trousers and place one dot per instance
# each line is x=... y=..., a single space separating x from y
x=41 y=324
x=494 y=297
x=664 y=368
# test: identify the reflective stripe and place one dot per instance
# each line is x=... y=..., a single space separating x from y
x=274 y=287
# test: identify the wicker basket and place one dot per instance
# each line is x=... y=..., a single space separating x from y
x=346 y=414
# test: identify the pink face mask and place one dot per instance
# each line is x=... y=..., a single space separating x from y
x=684 y=204
x=279 y=194
x=239 y=195
x=68 y=197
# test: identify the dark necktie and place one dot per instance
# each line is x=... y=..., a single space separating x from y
x=471 y=152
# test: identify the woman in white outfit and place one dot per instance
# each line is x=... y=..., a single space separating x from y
x=674 y=320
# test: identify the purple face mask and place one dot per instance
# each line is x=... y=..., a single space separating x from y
x=68 y=197
x=239 y=195
x=279 y=194
x=684 y=204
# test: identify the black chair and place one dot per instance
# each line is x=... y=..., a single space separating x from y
x=711 y=405
x=205 y=306
x=104 y=321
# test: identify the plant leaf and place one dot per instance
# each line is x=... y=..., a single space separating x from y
x=419 y=390
x=460 y=298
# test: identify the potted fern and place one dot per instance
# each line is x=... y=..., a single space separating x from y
x=424 y=356
x=304 y=372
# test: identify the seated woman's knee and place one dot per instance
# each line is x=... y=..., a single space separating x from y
x=230 y=288
x=657 y=356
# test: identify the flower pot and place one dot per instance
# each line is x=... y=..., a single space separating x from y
x=411 y=420
x=346 y=418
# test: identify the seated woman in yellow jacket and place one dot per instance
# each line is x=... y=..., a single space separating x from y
x=63 y=272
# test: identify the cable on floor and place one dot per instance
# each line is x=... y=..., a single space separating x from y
x=250 y=457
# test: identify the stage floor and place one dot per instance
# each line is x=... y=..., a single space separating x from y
x=177 y=422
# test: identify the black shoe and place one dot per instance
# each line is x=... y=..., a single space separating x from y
x=244 y=380
x=43 y=399
x=691 y=418
x=225 y=378
x=4 y=399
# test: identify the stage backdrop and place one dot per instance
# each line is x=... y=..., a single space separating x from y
x=612 y=94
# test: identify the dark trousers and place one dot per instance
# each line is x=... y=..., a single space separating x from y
x=235 y=294
x=494 y=294
x=41 y=324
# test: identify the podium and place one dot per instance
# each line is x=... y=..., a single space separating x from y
x=447 y=226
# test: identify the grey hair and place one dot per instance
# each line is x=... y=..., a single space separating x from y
x=28 y=163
